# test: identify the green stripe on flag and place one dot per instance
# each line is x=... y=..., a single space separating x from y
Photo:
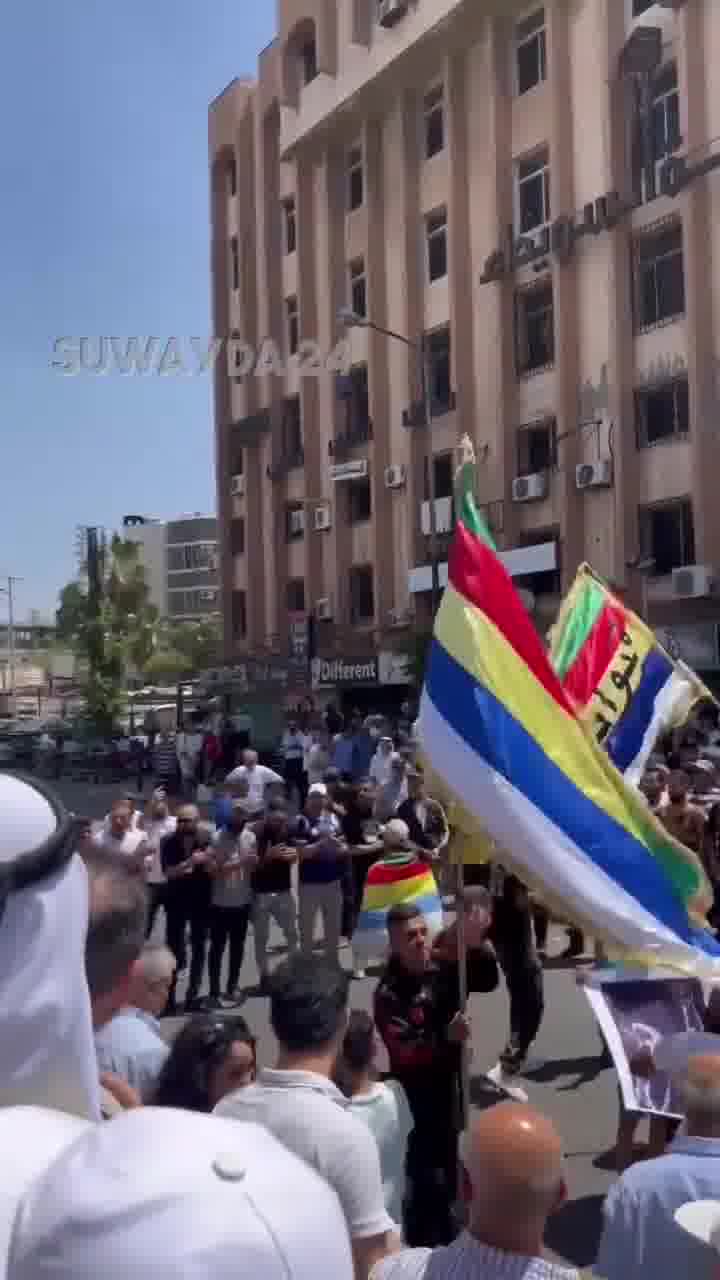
x=579 y=623
x=468 y=513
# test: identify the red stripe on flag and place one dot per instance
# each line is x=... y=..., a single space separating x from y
x=477 y=573
x=393 y=873
x=589 y=668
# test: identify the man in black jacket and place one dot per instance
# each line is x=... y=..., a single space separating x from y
x=417 y=1012
x=186 y=858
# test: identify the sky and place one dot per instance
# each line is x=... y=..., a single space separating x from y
x=104 y=231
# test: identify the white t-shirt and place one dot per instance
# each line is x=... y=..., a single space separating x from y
x=386 y=1112
x=129 y=844
x=155 y=830
x=317 y=761
x=188 y=747
x=310 y=1116
x=294 y=745
x=258 y=778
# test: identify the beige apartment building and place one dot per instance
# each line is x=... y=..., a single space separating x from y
x=525 y=197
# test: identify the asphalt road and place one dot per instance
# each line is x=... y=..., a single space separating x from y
x=572 y=1080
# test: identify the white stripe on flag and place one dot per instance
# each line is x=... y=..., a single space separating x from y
x=672 y=707
x=547 y=854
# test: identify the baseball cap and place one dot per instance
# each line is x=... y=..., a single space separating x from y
x=35 y=1136
x=170 y=1193
x=317 y=789
x=701 y=1219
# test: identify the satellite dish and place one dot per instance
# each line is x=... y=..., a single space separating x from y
x=528 y=598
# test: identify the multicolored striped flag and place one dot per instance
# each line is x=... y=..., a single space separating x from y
x=401 y=877
x=496 y=724
x=621 y=681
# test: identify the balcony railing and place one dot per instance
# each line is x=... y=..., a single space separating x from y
x=342 y=445
x=248 y=431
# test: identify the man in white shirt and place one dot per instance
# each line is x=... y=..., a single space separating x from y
x=119 y=837
x=513 y=1170
x=301 y=1106
x=158 y=824
x=131 y=1045
x=258 y=776
x=188 y=745
x=293 y=748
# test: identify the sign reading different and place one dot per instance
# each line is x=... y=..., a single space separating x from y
x=334 y=671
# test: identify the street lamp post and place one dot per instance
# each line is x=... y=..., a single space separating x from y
x=351 y=320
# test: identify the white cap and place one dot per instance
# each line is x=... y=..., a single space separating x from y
x=168 y=1193
x=701 y=1219
x=317 y=789
x=35 y=1136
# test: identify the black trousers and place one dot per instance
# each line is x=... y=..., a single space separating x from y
x=156 y=899
x=295 y=776
x=180 y=914
x=527 y=1005
x=227 y=924
x=541 y=922
x=431 y=1166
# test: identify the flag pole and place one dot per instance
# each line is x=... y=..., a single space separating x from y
x=464 y=479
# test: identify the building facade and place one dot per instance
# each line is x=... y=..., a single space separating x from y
x=181 y=563
x=525 y=197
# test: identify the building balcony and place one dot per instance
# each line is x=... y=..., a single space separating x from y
x=353 y=438
x=249 y=431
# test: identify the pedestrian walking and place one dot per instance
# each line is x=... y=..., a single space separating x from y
x=317 y=835
x=272 y=894
x=234 y=860
x=293 y=749
x=186 y=859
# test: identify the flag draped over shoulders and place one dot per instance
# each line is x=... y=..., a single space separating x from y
x=623 y=684
x=498 y=727
x=397 y=878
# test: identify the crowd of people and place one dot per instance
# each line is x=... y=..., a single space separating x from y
x=143 y=1143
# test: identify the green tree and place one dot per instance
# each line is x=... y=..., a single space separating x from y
x=185 y=648
x=113 y=633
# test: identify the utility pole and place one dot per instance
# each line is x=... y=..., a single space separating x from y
x=9 y=591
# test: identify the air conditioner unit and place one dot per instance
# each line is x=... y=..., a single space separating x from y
x=323 y=519
x=297 y=521
x=594 y=475
x=530 y=488
x=391 y=11
x=237 y=486
x=323 y=610
x=395 y=476
x=693 y=580
x=443 y=516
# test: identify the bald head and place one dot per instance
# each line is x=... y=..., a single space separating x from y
x=701 y=1095
x=513 y=1158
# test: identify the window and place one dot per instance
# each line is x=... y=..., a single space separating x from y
x=238 y=468
x=308 y=61
x=295 y=595
x=232 y=175
x=293 y=325
x=358 y=399
x=436 y=232
x=185 y=557
x=443 y=476
x=548 y=581
x=294 y=521
x=533 y=192
x=659 y=277
x=434 y=122
x=641 y=6
x=358 y=287
x=237 y=537
x=200 y=600
x=537 y=447
x=530 y=52
x=359 y=500
x=237 y=356
x=535 y=329
x=239 y=614
x=666 y=112
x=356 y=179
x=290 y=223
x=439 y=371
x=667 y=535
x=362 y=594
x=662 y=412
x=235 y=262
x=292 y=438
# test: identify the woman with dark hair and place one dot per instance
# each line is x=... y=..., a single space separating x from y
x=210 y=1058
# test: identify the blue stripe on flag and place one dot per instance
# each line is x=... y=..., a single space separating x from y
x=377 y=919
x=627 y=737
x=489 y=730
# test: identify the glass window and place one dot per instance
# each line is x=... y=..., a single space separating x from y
x=436 y=231
x=530 y=52
x=295 y=595
x=292 y=430
x=290 y=221
x=358 y=287
x=308 y=61
x=533 y=192
x=434 y=122
x=362 y=594
x=293 y=325
x=535 y=327
x=660 y=277
x=359 y=496
x=439 y=361
x=537 y=447
x=235 y=262
x=667 y=534
x=662 y=412
x=356 y=179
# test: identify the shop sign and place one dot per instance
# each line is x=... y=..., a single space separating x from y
x=327 y=672
x=394 y=668
x=257 y=675
x=695 y=644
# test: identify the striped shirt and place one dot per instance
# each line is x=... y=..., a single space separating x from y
x=468 y=1259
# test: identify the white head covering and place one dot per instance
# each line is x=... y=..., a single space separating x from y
x=47 y=1055
x=164 y=1193
x=35 y=1137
